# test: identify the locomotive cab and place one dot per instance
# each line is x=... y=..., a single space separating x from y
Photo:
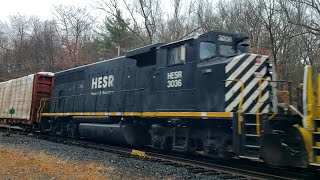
x=192 y=76
x=195 y=68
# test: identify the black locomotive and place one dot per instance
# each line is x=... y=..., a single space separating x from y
x=200 y=94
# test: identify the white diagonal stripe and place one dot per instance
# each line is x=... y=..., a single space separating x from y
x=247 y=88
x=240 y=69
x=266 y=109
x=245 y=92
x=236 y=101
x=250 y=72
x=233 y=62
x=255 y=95
x=263 y=99
x=232 y=105
x=244 y=78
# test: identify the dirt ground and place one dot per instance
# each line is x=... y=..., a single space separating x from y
x=16 y=165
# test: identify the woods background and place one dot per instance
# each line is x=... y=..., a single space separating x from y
x=286 y=30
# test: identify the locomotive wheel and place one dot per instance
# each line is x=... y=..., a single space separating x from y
x=73 y=130
x=217 y=146
x=167 y=144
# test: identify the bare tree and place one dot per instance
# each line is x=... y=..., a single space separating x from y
x=304 y=13
x=279 y=31
x=182 y=23
x=75 y=25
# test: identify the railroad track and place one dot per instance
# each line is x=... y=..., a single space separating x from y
x=227 y=169
x=232 y=169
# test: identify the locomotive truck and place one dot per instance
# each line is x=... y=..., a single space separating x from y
x=206 y=93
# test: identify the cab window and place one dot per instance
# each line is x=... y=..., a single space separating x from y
x=207 y=50
x=227 y=50
x=176 y=55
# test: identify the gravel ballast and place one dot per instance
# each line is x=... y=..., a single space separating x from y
x=125 y=167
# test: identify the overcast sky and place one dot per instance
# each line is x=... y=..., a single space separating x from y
x=40 y=8
x=43 y=8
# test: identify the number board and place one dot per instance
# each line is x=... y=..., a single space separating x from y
x=225 y=38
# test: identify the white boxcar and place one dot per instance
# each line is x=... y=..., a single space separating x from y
x=23 y=94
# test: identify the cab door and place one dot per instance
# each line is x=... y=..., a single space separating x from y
x=175 y=89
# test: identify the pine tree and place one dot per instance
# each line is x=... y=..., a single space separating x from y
x=115 y=33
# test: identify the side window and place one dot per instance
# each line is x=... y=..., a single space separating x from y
x=207 y=50
x=176 y=55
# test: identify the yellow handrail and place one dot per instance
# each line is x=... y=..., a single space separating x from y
x=240 y=103
x=273 y=114
x=258 y=105
x=39 y=111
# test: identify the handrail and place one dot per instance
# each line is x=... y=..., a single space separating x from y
x=240 y=103
x=273 y=114
x=258 y=105
x=40 y=109
x=282 y=91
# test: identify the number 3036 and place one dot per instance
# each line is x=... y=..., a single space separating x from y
x=174 y=83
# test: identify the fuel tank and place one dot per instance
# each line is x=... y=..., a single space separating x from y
x=107 y=133
x=94 y=119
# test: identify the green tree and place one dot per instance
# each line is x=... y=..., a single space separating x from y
x=115 y=36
